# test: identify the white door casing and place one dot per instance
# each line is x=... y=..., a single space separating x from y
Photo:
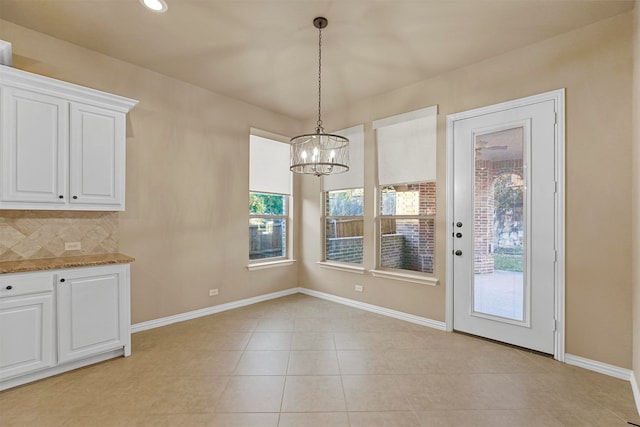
x=541 y=118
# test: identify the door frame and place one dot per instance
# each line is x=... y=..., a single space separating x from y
x=558 y=96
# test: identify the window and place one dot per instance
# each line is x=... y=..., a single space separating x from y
x=344 y=225
x=407 y=190
x=267 y=225
x=344 y=205
x=407 y=226
x=269 y=199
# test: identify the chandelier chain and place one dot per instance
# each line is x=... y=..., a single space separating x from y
x=319 y=128
x=319 y=154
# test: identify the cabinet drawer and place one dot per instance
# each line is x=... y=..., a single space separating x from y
x=12 y=285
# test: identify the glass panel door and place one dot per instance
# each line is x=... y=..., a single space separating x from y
x=504 y=224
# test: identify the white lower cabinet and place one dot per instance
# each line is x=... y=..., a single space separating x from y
x=26 y=324
x=58 y=320
x=92 y=312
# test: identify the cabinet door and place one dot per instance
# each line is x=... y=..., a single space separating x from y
x=33 y=148
x=93 y=311
x=26 y=334
x=97 y=152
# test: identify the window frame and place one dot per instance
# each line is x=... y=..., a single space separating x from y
x=396 y=130
x=287 y=257
x=285 y=216
x=401 y=273
x=324 y=218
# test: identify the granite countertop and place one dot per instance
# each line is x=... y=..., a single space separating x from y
x=63 y=262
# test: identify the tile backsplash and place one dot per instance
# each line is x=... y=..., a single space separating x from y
x=43 y=234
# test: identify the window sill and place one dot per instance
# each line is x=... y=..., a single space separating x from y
x=341 y=267
x=406 y=277
x=270 y=264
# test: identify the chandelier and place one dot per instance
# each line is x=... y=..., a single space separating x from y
x=319 y=153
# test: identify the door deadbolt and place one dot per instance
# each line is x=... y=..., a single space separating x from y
x=458 y=235
x=459 y=224
x=458 y=252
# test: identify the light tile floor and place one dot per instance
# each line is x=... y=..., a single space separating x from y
x=302 y=361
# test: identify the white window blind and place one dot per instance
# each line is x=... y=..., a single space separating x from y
x=269 y=166
x=354 y=177
x=407 y=147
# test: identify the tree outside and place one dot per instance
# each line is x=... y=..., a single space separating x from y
x=508 y=222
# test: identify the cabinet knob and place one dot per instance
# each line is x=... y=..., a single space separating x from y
x=61 y=197
x=75 y=197
x=9 y=287
x=61 y=280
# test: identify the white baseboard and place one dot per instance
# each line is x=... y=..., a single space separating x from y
x=376 y=309
x=164 y=321
x=600 y=367
x=636 y=390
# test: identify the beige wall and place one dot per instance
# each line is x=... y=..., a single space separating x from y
x=594 y=65
x=186 y=202
x=636 y=196
x=187 y=179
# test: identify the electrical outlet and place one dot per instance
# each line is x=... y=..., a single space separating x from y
x=359 y=288
x=213 y=292
x=72 y=246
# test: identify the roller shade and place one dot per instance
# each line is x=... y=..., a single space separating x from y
x=354 y=178
x=407 y=147
x=269 y=166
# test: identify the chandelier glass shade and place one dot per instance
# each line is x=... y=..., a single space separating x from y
x=319 y=153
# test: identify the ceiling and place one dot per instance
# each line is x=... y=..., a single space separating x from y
x=265 y=52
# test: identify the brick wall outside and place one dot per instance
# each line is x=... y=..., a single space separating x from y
x=344 y=249
x=483 y=217
x=392 y=248
x=418 y=244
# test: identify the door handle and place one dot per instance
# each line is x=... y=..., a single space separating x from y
x=458 y=252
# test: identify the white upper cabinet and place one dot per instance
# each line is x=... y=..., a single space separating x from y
x=97 y=156
x=62 y=146
x=35 y=135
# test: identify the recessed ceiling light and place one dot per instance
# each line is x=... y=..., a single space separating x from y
x=158 y=6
